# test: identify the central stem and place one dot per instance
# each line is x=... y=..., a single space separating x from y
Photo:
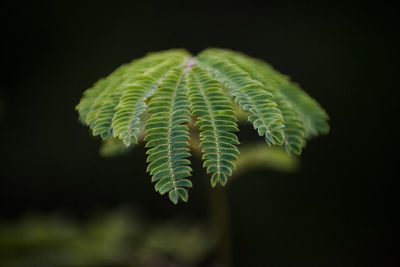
x=220 y=222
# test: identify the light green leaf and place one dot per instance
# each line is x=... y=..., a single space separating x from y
x=156 y=96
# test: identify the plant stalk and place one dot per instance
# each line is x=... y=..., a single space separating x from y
x=220 y=223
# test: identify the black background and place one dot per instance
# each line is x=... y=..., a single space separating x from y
x=337 y=210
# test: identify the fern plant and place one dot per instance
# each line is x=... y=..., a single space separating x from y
x=160 y=94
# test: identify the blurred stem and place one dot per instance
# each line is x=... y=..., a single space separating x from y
x=220 y=222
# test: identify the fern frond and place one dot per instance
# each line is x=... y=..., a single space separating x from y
x=113 y=106
x=249 y=94
x=90 y=95
x=313 y=116
x=163 y=89
x=216 y=120
x=131 y=104
x=115 y=83
x=104 y=108
x=167 y=137
x=294 y=130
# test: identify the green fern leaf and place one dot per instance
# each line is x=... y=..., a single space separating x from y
x=313 y=116
x=249 y=94
x=131 y=103
x=294 y=130
x=216 y=121
x=167 y=137
x=106 y=104
x=163 y=89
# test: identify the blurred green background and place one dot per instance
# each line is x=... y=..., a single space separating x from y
x=62 y=204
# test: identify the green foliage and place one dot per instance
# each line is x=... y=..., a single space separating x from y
x=257 y=156
x=168 y=87
x=167 y=136
x=112 y=147
x=118 y=238
x=215 y=118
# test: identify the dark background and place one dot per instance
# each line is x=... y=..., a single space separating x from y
x=337 y=210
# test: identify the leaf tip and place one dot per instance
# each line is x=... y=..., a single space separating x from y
x=173 y=196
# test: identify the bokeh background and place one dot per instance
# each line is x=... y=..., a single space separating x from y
x=337 y=209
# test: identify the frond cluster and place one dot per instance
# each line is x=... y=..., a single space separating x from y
x=157 y=94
